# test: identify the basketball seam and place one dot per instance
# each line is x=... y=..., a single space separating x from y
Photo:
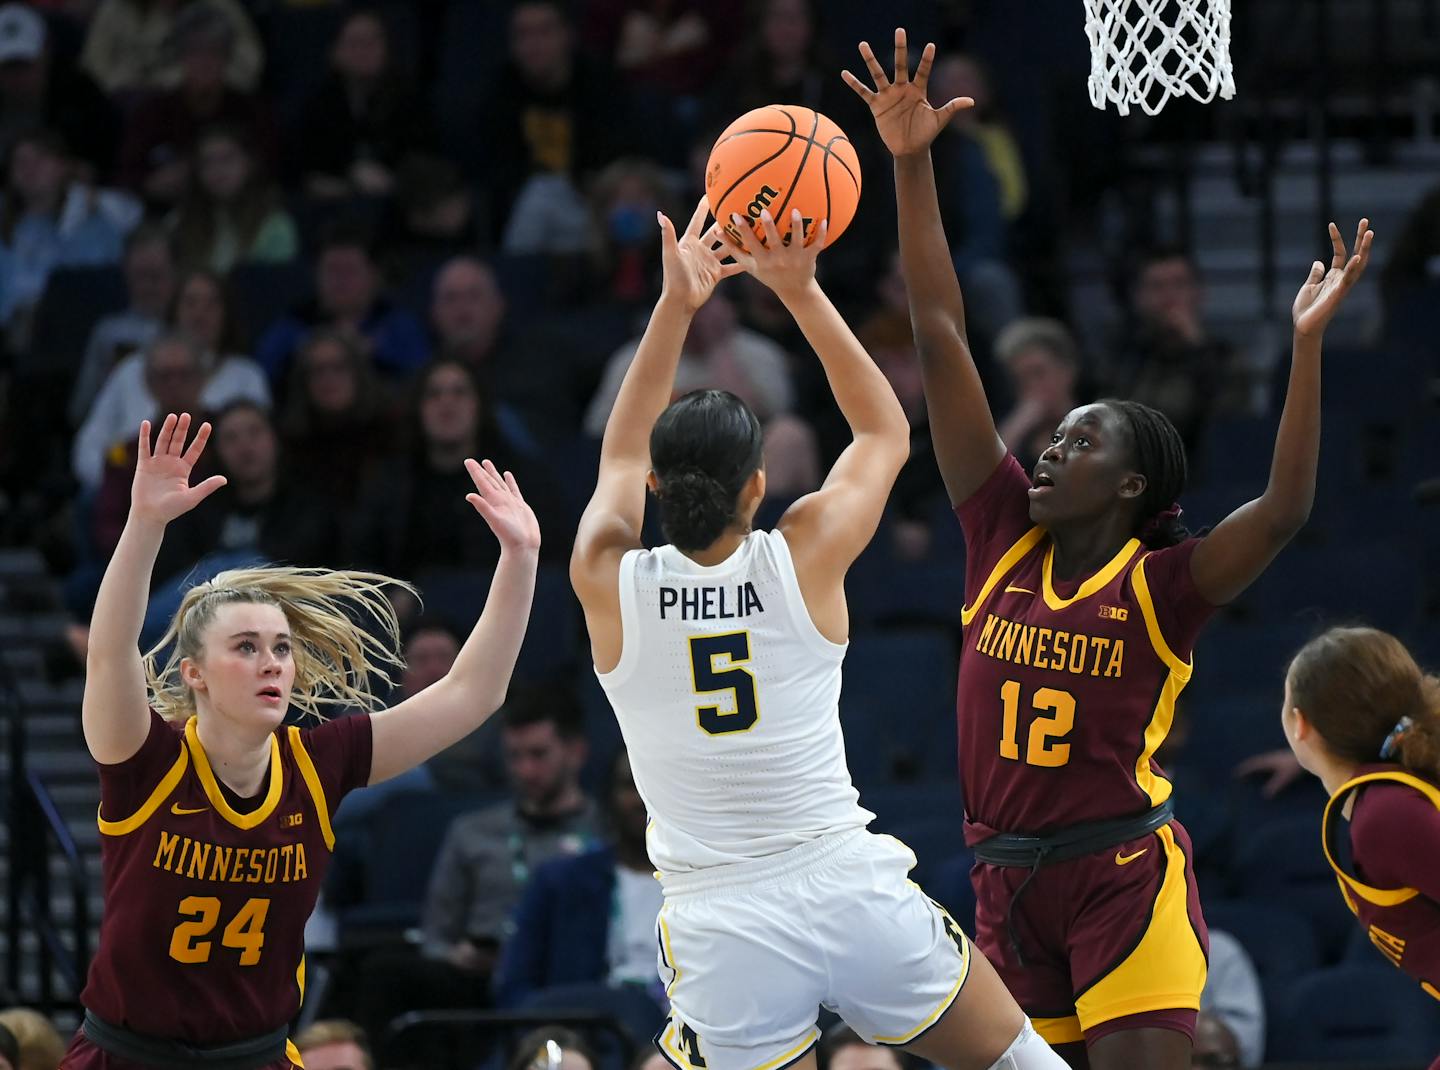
x=790 y=192
x=801 y=137
x=784 y=149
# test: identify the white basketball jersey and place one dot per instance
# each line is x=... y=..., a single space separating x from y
x=728 y=698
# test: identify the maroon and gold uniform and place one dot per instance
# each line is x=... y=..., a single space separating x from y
x=1388 y=867
x=207 y=894
x=1066 y=691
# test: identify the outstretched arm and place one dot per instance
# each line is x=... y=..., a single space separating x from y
x=114 y=712
x=1234 y=555
x=462 y=700
x=612 y=521
x=967 y=447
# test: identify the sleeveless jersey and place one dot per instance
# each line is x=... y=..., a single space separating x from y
x=728 y=698
x=1392 y=830
x=206 y=895
x=1065 y=690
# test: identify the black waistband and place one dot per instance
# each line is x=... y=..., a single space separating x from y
x=1075 y=841
x=251 y=1054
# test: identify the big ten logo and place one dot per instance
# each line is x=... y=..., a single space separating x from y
x=758 y=203
x=1114 y=613
x=290 y=821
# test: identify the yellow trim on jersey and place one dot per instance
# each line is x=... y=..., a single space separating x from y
x=1090 y=586
x=1059 y=1030
x=1380 y=897
x=1183 y=669
x=680 y=1059
x=941 y=1008
x=1157 y=788
x=312 y=781
x=162 y=791
x=212 y=787
x=1167 y=969
x=793 y=1054
x=293 y=1054
x=1430 y=990
x=1022 y=546
x=669 y=952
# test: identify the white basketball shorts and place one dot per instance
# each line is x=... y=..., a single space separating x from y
x=749 y=952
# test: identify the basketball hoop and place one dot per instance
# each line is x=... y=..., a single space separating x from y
x=1143 y=52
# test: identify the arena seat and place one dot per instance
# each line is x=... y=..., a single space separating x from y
x=949 y=885
x=74 y=299
x=1354 y=1012
x=1282 y=862
x=897 y=706
x=1279 y=942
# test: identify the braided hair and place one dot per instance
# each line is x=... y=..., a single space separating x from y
x=1158 y=453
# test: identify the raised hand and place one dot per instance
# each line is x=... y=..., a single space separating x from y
x=692 y=264
x=499 y=501
x=784 y=267
x=161 y=490
x=1318 y=299
x=903 y=115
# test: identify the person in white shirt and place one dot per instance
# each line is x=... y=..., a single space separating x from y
x=721 y=654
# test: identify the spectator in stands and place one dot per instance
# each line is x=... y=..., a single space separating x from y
x=161 y=133
x=41 y=1046
x=128 y=395
x=475 y=763
x=204 y=308
x=260 y=515
x=671 y=47
x=336 y=426
x=348 y=296
x=50 y=219
x=590 y=919
x=37 y=91
x=335 y=1044
x=1167 y=358
x=841 y=1048
x=486 y=861
x=720 y=353
x=623 y=201
x=1043 y=365
x=1415 y=257
x=131 y=45
x=1215 y=1046
x=406 y=520
x=554 y=115
x=149 y=267
x=1234 y=1005
x=551 y=1047
x=435 y=211
x=232 y=212
x=9 y=1050
x=959 y=75
x=467 y=311
x=363 y=120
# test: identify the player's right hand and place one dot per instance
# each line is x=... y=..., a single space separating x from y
x=161 y=490
x=692 y=262
x=903 y=115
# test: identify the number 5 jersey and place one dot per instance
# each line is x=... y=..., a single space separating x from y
x=207 y=894
x=728 y=698
x=1066 y=688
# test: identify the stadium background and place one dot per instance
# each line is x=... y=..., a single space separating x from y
x=1054 y=209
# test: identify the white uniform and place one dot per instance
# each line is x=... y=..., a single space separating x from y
x=777 y=899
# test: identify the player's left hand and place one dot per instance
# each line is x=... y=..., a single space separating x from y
x=786 y=266
x=692 y=264
x=1323 y=291
x=499 y=501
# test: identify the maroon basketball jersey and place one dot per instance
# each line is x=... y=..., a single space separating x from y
x=1392 y=882
x=206 y=894
x=1066 y=689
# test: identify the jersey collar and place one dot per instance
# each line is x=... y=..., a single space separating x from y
x=212 y=786
x=1091 y=585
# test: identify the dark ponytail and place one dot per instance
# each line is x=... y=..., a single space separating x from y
x=704 y=448
x=1159 y=456
x=1368 y=699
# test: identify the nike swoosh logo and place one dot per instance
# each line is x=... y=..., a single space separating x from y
x=1009 y=588
x=1125 y=860
x=181 y=810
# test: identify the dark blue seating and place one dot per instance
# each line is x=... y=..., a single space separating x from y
x=1364 y=1013
x=934 y=839
x=1279 y=942
x=897 y=706
x=74 y=299
x=1282 y=862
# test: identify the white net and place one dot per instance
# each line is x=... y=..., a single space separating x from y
x=1143 y=52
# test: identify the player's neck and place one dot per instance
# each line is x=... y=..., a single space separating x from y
x=1083 y=549
x=241 y=762
x=1333 y=773
x=719 y=550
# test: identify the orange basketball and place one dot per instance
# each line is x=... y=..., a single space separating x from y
x=784 y=157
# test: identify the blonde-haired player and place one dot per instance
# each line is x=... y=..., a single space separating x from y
x=215 y=817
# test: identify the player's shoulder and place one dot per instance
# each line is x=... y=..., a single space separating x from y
x=1399 y=800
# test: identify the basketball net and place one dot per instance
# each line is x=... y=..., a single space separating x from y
x=1143 y=52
